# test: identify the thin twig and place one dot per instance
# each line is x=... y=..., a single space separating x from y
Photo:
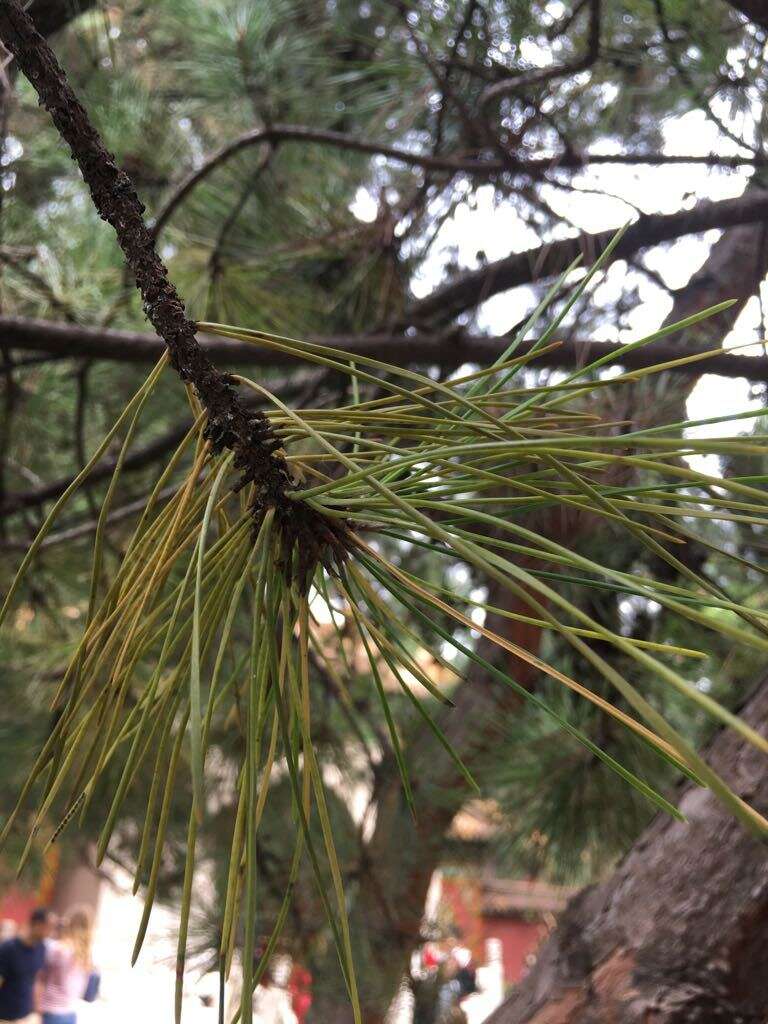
x=138 y=459
x=522 y=83
x=17 y=263
x=77 y=531
x=477 y=167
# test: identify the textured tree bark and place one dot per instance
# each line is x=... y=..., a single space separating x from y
x=677 y=935
x=734 y=269
x=230 y=423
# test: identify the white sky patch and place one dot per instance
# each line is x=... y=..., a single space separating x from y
x=535 y=55
x=12 y=150
x=458 y=575
x=321 y=611
x=364 y=206
x=748 y=335
x=718 y=396
x=484 y=229
x=487 y=230
x=478 y=616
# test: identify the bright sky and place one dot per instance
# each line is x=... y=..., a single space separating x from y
x=498 y=231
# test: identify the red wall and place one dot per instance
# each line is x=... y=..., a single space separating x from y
x=518 y=939
x=518 y=936
x=16 y=904
x=464 y=897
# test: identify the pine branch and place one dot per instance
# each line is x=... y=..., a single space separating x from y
x=446 y=349
x=520 y=83
x=77 y=531
x=230 y=424
x=137 y=459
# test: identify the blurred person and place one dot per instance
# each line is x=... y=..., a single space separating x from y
x=432 y=956
x=68 y=974
x=300 y=989
x=459 y=980
x=466 y=975
x=22 y=958
x=272 y=1003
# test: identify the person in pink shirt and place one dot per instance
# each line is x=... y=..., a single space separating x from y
x=68 y=966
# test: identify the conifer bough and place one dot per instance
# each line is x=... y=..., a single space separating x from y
x=230 y=425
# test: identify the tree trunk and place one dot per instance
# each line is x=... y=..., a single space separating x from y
x=50 y=16
x=734 y=269
x=677 y=935
x=399 y=859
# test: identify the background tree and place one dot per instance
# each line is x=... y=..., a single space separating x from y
x=257 y=134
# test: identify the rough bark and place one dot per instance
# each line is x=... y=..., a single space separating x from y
x=677 y=934
x=230 y=423
x=734 y=268
x=736 y=265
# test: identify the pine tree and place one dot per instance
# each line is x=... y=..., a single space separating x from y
x=253 y=133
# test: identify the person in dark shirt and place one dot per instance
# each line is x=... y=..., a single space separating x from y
x=20 y=961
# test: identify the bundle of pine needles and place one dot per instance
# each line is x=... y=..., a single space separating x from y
x=449 y=466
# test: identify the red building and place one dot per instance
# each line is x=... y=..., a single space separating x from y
x=481 y=906
x=16 y=904
x=517 y=912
